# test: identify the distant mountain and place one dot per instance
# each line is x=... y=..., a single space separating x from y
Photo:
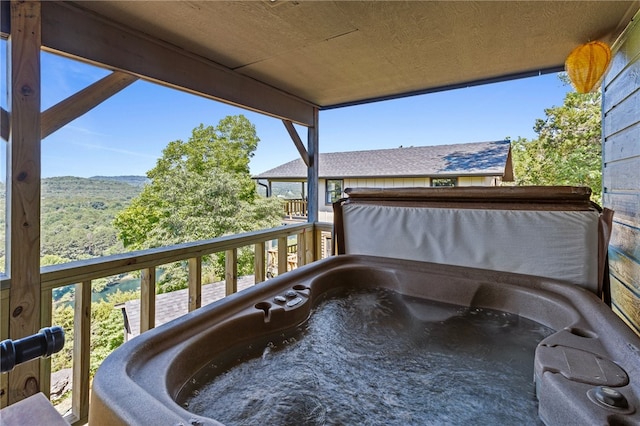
x=131 y=180
x=76 y=187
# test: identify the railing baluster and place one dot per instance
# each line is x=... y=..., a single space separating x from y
x=81 y=351
x=302 y=248
x=317 y=252
x=259 y=267
x=195 y=283
x=147 y=299
x=4 y=334
x=82 y=272
x=231 y=271
x=282 y=255
x=46 y=314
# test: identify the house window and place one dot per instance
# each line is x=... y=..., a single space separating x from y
x=444 y=181
x=333 y=191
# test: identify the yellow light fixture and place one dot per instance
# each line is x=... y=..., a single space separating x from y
x=586 y=65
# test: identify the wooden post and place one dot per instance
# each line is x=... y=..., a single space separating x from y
x=231 y=271
x=23 y=188
x=147 y=299
x=259 y=266
x=81 y=351
x=312 y=171
x=195 y=283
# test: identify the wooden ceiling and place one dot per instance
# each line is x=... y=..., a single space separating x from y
x=281 y=57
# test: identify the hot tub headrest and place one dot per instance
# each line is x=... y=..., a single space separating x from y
x=553 y=232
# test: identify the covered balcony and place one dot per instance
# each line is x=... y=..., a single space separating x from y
x=289 y=60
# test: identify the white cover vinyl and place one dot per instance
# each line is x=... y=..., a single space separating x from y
x=554 y=244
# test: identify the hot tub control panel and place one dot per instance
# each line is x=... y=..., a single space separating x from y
x=291 y=298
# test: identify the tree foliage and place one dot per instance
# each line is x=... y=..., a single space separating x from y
x=200 y=189
x=107 y=330
x=568 y=150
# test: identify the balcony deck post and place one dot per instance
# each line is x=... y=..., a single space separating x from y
x=312 y=170
x=23 y=188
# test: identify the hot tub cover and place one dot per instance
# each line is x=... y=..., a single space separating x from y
x=552 y=232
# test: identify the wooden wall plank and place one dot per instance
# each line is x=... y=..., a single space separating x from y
x=626 y=83
x=23 y=194
x=626 y=239
x=622 y=175
x=621 y=59
x=626 y=303
x=624 y=115
x=625 y=269
x=626 y=206
x=622 y=145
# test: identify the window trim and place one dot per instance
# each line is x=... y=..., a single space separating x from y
x=454 y=179
x=327 y=199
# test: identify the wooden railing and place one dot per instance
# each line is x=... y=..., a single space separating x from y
x=295 y=208
x=310 y=239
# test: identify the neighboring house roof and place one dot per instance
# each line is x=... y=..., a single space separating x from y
x=468 y=159
x=171 y=305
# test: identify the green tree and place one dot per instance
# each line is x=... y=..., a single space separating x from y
x=568 y=150
x=199 y=189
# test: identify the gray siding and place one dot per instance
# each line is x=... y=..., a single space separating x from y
x=621 y=174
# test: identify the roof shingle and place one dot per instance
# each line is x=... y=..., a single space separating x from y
x=480 y=158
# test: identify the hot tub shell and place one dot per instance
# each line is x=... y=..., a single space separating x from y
x=591 y=351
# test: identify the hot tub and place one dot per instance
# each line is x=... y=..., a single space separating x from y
x=586 y=371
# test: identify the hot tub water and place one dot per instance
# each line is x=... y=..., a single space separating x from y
x=376 y=357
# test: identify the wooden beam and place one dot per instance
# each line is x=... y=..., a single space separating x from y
x=312 y=171
x=70 y=31
x=4 y=124
x=297 y=141
x=85 y=100
x=23 y=188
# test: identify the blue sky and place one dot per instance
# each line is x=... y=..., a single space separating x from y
x=126 y=134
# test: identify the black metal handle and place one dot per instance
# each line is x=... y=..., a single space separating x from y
x=42 y=344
